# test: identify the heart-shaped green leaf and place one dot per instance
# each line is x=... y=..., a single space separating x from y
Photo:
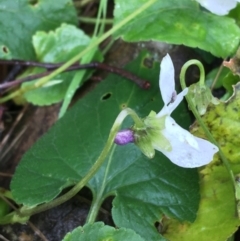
x=56 y=47
x=178 y=22
x=99 y=232
x=144 y=188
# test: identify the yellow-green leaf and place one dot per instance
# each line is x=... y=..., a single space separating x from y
x=217 y=218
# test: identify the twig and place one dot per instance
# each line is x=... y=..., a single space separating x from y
x=14 y=72
x=90 y=47
x=37 y=231
x=5 y=174
x=32 y=226
x=5 y=139
x=3 y=238
x=51 y=67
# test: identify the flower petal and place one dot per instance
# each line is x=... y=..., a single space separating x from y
x=186 y=156
x=173 y=129
x=166 y=79
x=219 y=7
x=187 y=150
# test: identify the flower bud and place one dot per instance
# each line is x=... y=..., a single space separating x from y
x=124 y=137
x=201 y=96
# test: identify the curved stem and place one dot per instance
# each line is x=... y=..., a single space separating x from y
x=198 y=117
x=122 y=115
x=201 y=69
x=76 y=58
x=99 y=198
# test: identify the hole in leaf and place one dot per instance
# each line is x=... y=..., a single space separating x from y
x=106 y=96
x=161 y=225
x=33 y=2
x=148 y=62
x=158 y=226
x=5 y=49
x=123 y=106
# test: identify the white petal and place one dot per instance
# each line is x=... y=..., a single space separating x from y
x=187 y=150
x=166 y=79
x=173 y=129
x=219 y=7
x=186 y=156
x=164 y=111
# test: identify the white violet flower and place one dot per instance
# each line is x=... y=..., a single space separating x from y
x=219 y=7
x=185 y=149
x=162 y=133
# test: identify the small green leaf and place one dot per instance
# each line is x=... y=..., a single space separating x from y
x=58 y=45
x=143 y=188
x=55 y=47
x=179 y=22
x=100 y=232
x=16 y=32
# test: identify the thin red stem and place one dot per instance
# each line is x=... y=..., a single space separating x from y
x=51 y=67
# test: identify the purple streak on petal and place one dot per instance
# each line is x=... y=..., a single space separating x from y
x=124 y=137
